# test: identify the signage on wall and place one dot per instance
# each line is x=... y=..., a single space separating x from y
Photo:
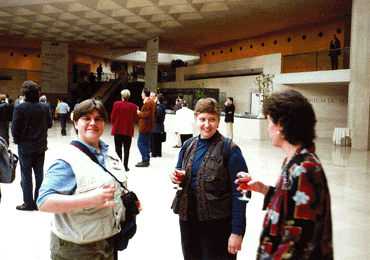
x=151 y=67
x=327 y=100
x=54 y=67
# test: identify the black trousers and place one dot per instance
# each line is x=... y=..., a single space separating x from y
x=63 y=122
x=155 y=144
x=334 y=62
x=205 y=240
x=124 y=140
x=184 y=138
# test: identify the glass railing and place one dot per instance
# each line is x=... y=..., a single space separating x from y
x=316 y=61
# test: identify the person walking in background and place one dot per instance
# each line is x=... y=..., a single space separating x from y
x=298 y=222
x=155 y=135
x=44 y=100
x=334 y=52
x=63 y=109
x=6 y=115
x=184 y=123
x=178 y=106
x=18 y=100
x=229 y=117
x=79 y=100
x=212 y=217
x=153 y=96
x=146 y=124
x=123 y=117
x=99 y=71
x=30 y=124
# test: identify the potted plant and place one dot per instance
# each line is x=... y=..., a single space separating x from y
x=265 y=87
x=199 y=92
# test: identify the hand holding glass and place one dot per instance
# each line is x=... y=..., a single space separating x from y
x=244 y=186
x=179 y=174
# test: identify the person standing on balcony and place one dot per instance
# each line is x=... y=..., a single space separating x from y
x=334 y=52
x=99 y=71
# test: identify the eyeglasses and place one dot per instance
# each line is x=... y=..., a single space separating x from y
x=87 y=119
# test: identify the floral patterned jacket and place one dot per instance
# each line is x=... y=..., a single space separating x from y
x=298 y=221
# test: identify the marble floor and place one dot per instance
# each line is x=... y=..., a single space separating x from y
x=25 y=235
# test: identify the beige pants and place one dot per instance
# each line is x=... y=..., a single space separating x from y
x=64 y=250
x=177 y=140
x=229 y=130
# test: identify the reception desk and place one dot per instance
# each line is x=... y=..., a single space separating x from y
x=251 y=128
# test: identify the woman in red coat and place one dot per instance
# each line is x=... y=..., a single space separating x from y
x=123 y=117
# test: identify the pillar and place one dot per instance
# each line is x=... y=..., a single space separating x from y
x=359 y=87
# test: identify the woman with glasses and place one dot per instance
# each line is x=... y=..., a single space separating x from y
x=84 y=198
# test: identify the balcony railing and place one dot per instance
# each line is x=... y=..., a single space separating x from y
x=314 y=61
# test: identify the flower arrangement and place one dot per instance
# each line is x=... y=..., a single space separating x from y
x=265 y=84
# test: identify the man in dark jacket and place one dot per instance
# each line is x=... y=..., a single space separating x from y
x=6 y=115
x=31 y=120
x=334 y=52
x=229 y=117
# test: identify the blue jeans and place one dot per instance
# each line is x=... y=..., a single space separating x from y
x=29 y=161
x=63 y=121
x=143 y=143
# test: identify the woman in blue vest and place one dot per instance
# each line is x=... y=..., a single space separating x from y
x=212 y=218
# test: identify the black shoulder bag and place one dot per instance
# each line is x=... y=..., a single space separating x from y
x=129 y=199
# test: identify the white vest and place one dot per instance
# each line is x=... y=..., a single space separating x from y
x=91 y=224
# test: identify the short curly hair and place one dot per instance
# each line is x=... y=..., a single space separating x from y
x=294 y=113
x=207 y=105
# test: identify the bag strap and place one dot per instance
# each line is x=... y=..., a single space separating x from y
x=86 y=151
x=226 y=151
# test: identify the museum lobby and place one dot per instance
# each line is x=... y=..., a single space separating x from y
x=341 y=99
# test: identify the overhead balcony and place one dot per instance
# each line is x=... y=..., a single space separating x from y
x=314 y=68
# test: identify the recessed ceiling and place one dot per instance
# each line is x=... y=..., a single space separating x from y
x=111 y=28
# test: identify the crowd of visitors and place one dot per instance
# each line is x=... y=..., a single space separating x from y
x=211 y=174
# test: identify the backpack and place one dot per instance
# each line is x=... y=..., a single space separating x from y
x=8 y=163
x=225 y=149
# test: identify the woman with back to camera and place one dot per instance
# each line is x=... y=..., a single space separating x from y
x=298 y=221
x=85 y=199
x=155 y=136
x=212 y=218
x=123 y=117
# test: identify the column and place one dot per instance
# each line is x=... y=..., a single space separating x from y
x=359 y=87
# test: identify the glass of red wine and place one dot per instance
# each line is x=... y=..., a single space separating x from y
x=244 y=186
x=179 y=174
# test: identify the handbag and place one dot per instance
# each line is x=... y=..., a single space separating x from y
x=163 y=137
x=129 y=199
x=8 y=163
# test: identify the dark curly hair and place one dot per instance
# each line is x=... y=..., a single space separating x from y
x=31 y=91
x=294 y=113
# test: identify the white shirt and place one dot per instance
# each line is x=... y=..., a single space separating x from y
x=185 y=122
